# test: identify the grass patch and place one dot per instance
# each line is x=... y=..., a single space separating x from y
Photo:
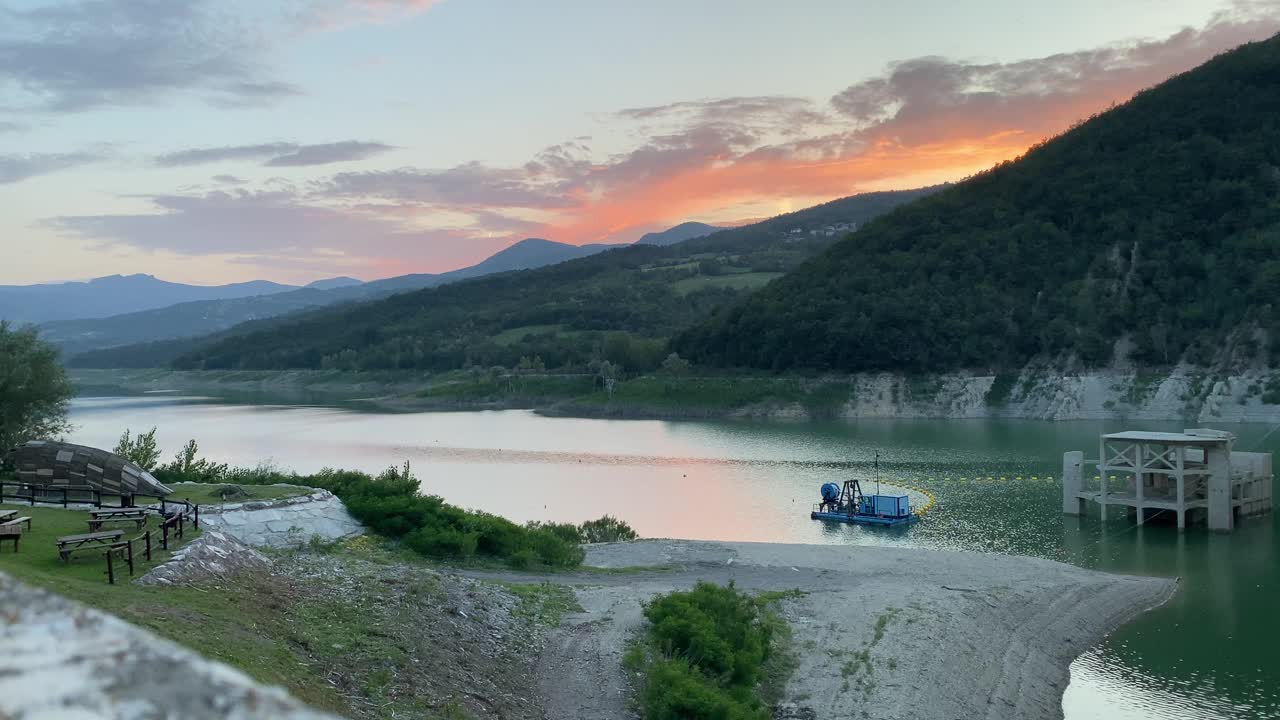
x=544 y=603
x=511 y=336
x=212 y=494
x=737 y=281
x=465 y=388
x=712 y=652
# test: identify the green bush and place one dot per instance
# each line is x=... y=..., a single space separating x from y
x=703 y=654
x=606 y=529
x=675 y=690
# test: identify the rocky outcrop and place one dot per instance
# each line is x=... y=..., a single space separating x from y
x=64 y=660
x=285 y=523
x=214 y=555
x=1183 y=393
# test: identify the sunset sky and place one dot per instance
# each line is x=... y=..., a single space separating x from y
x=219 y=141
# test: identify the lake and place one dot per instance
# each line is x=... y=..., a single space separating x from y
x=1209 y=653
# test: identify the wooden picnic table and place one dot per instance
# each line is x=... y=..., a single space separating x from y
x=7 y=515
x=12 y=533
x=16 y=522
x=96 y=523
x=118 y=512
x=71 y=543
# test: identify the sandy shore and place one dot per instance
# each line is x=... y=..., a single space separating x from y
x=880 y=632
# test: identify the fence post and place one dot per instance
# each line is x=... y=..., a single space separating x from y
x=164 y=534
x=31 y=490
x=64 y=498
x=111 y=571
x=147 y=537
x=182 y=523
x=129 y=547
x=197 y=520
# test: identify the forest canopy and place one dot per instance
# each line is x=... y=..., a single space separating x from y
x=1156 y=223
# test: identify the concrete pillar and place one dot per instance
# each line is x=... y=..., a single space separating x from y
x=1103 y=461
x=1218 y=458
x=1180 y=455
x=1072 y=482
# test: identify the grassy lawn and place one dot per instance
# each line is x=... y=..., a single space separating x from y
x=739 y=281
x=243 y=625
x=210 y=494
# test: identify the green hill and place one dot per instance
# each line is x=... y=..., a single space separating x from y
x=639 y=295
x=1154 y=227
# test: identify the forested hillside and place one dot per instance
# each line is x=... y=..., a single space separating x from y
x=1157 y=222
x=118 y=339
x=631 y=298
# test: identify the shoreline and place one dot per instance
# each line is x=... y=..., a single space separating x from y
x=1175 y=394
x=904 y=632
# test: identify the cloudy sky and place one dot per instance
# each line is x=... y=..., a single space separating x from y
x=213 y=141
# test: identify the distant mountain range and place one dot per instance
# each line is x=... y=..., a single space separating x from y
x=106 y=296
x=679 y=233
x=206 y=316
x=625 y=301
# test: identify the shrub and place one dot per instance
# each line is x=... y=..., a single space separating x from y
x=390 y=505
x=606 y=529
x=674 y=690
x=703 y=655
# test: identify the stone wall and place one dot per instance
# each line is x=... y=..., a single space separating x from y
x=64 y=660
x=283 y=523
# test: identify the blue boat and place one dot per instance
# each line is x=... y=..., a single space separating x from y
x=847 y=504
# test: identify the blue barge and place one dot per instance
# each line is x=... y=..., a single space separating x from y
x=848 y=504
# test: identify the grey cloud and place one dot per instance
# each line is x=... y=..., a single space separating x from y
x=279 y=228
x=6 y=127
x=81 y=54
x=466 y=185
x=931 y=99
x=278 y=154
x=228 y=179
x=15 y=168
x=329 y=153
x=202 y=156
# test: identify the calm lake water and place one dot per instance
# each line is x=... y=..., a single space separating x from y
x=1213 y=652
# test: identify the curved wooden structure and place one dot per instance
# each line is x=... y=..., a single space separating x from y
x=59 y=464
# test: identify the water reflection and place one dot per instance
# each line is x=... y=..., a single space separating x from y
x=1208 y=653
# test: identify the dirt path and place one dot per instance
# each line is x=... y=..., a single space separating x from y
x=880 y=632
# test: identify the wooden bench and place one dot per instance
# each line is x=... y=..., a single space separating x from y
x=71 y=543
x=11 y=532
x=17 y=521
x=7 y=515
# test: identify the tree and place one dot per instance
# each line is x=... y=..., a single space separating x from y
x=141 y=450
x=675 y=365
x=34 y=389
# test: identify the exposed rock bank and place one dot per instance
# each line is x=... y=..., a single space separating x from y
x=284 y=523
x=214 y=555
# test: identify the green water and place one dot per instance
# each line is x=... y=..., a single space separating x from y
x=1209 y=653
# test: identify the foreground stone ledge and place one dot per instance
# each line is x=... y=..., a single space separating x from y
x=64 y=660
